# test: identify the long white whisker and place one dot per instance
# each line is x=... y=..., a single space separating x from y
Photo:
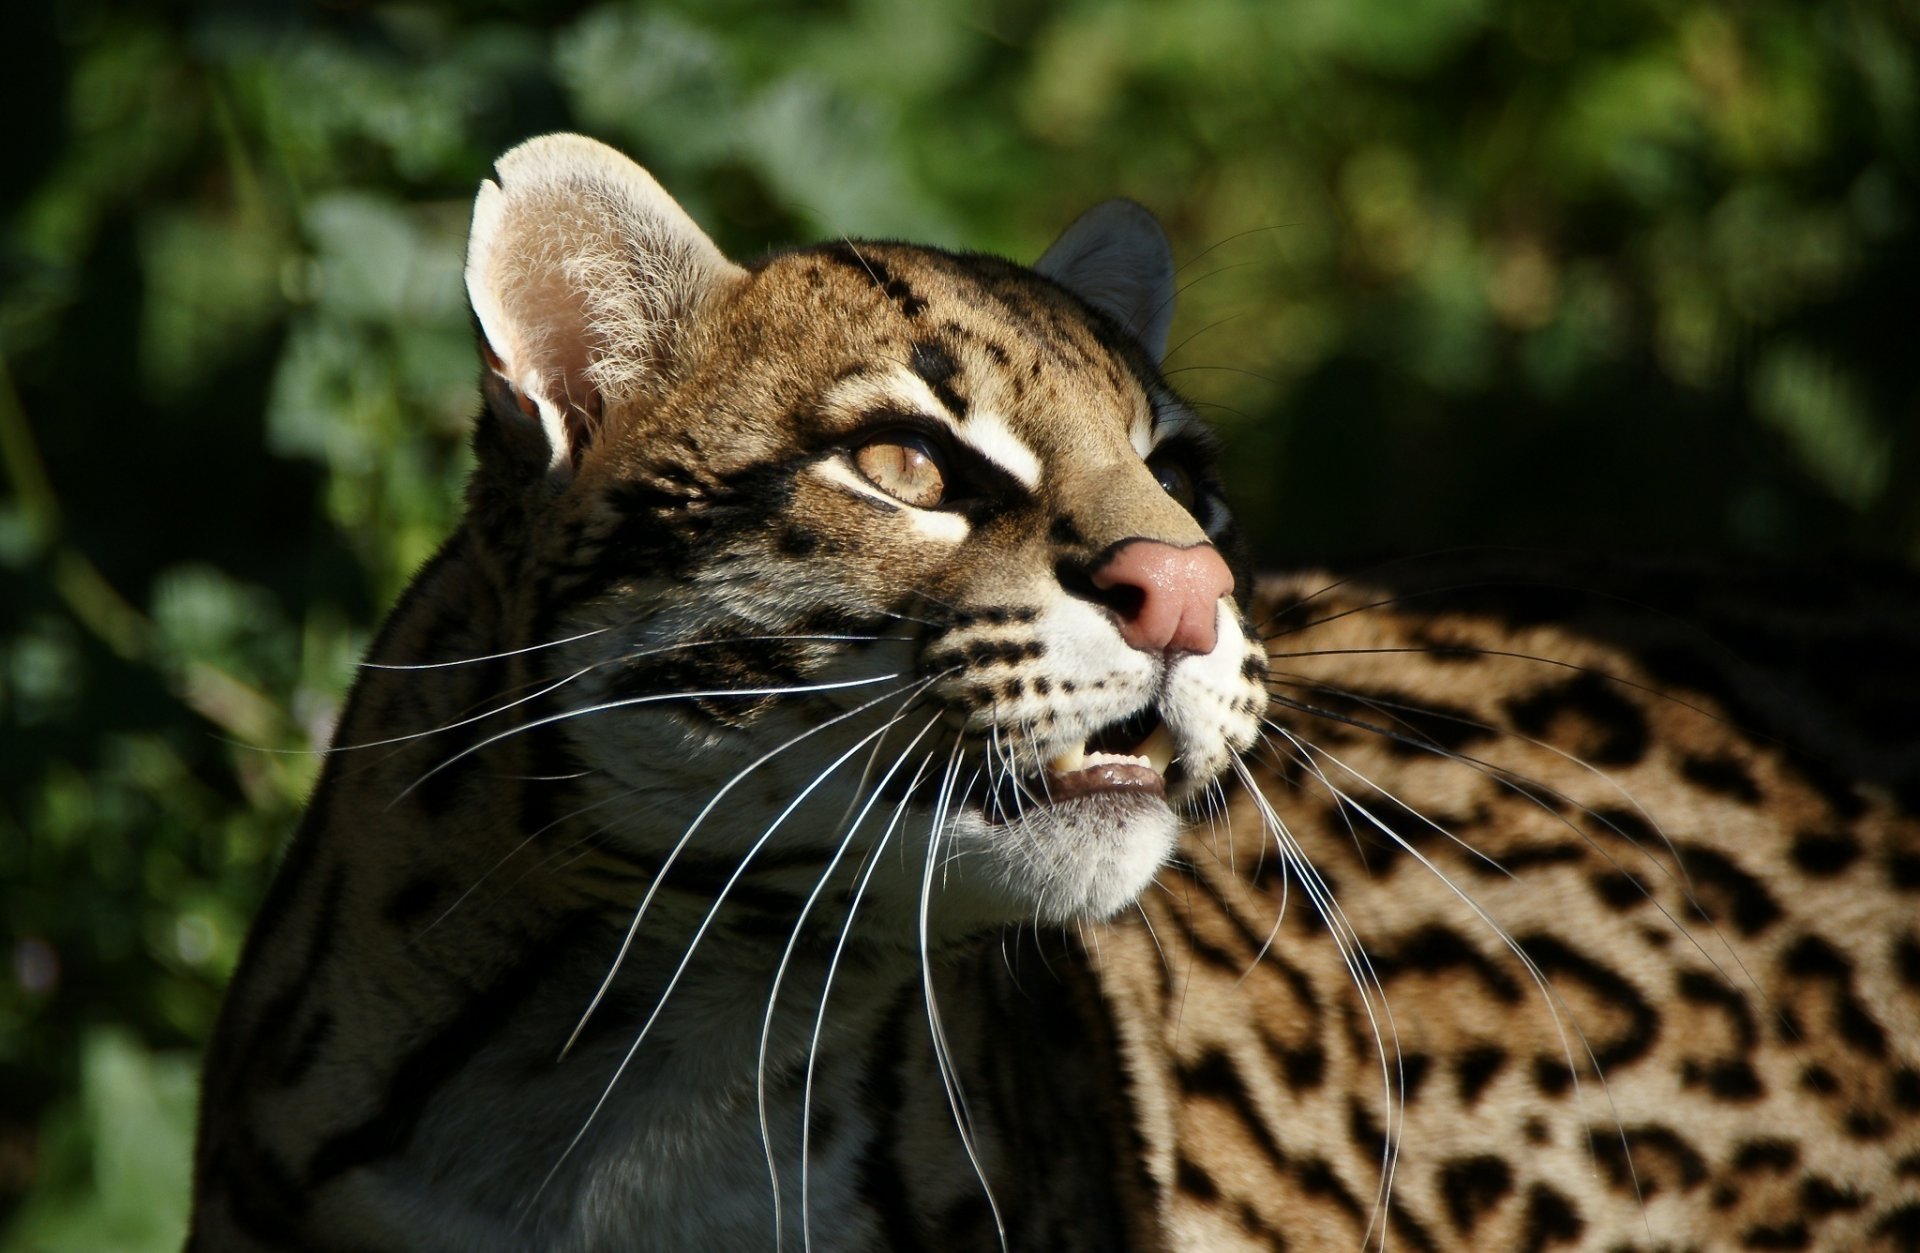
x=1512 y=781
x=942 y=1051
x=713 y=802
x=793 y=941
x=652 y=698
x=872 y=863
x=686 y=957
x=1552 y=999
x=1353 y=955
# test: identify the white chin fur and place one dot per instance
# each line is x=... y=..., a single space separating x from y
x=1079 y=860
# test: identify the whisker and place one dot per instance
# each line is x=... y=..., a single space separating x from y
x=942 y=1051
x=869 y=865
x=633 y=928
x=793 y=940
x=1548 y=994
x=1366 y=981
x=629 y=702
x=688 y=951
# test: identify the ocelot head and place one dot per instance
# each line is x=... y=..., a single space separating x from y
x=860 y=547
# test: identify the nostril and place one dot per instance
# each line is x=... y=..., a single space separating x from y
x=1125 y=599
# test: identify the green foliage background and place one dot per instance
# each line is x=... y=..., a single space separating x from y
x=1610 y=274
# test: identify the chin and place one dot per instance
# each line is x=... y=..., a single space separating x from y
x=1074 y=860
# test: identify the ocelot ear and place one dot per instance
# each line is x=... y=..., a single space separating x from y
x=1117 y=259
x=584 y=277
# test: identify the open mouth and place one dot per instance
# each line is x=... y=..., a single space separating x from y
x=1131 y=755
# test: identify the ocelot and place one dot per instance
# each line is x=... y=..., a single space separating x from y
x=840 y=787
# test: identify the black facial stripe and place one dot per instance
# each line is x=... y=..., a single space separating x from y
x=934 y=364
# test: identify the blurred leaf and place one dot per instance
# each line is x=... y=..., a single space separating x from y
x=117 y=1160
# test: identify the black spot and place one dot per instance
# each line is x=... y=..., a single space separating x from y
x=1819 y=853
x=1813 y=958
x=1516 y=860
x=1440 y=950
x=968 y=1221
x=1722 y=775
x=1906 y=957
x=1619 y=733
x=1304 y=1067
x=1476 y=1068
x=1559 y=962
x=1724 y=888
x=902 y=294
x=279 y=1014
x=1821 y=1197
x=1641 y=1160
x=411 y=900
x=1867 y=1125
x=1904 y=1088
x=1216 y=1077
x=1065 y=533
x=1190 y=1178
x=1551 y=1074
x=1413 y=1074
x=1701 y=988
x=1903 y=1223
x=932 y=362
x=1618 y=890
x=1362 y=1128
x=1551 y=1219
x=1317 y=1179
x=1413 y=725
x=1472 y=1186
x=881 y=1181
x=308 y=1049
x=1766 y=1154
x=1536 y=1132
x=1818 y=1080
x=797 y=541
x=1903 y=871
x=1730 y=1079
x=1777 y=1236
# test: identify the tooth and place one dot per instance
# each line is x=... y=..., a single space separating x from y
x=1116 y=759
x=1071 y=760
x=1158 y=748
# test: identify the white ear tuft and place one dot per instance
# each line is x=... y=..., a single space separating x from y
x=583 y=274
x=1117 y=259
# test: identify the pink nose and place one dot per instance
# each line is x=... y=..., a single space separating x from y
x=1167 y=598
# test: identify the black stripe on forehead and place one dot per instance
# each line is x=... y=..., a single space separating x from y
x=933 y=363
x=895 y=289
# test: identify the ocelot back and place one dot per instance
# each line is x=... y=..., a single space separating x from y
x=839 y=789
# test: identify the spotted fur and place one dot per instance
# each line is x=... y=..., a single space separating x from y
x=687 y=874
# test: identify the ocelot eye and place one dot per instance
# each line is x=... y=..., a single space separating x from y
x=1178 y=483
x=906 y=467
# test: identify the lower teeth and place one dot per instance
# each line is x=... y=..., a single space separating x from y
x=1155 y=753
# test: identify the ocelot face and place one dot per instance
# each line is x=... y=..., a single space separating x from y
x=895 y=547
